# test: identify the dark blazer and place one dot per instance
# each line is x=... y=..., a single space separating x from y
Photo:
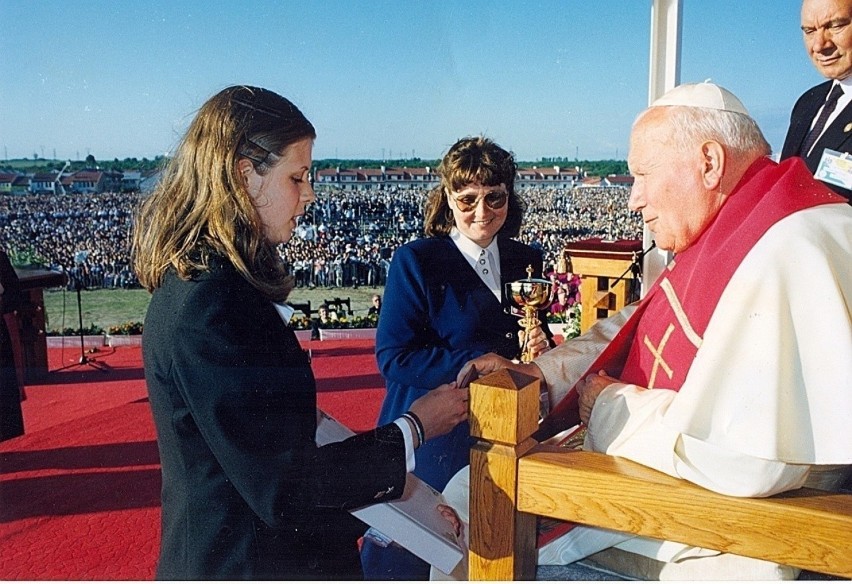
x=11 y=417
x=838 y=136
x=437 y=314
x=246 y=493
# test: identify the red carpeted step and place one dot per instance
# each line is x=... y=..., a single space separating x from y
x=349 y=386
x=80 y=500
x=71 y=392
x=80 y=491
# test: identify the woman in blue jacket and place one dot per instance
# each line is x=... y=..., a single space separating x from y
x=444 y=305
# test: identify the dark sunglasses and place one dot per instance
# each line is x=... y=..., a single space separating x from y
x=494 y=200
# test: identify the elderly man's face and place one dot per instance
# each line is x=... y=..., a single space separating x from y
x=827 y=32
x=668 y=187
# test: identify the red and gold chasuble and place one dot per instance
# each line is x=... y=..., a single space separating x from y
x=657 y=345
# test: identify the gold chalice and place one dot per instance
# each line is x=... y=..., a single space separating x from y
x=530 y=295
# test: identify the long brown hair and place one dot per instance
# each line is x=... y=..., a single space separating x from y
x=473 y=160
x=201 y=206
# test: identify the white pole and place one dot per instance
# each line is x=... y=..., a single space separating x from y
x=59 y=178
x=664 y=74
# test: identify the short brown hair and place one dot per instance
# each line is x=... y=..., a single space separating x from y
x=473 y=160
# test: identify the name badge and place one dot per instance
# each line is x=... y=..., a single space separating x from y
x=835 y=168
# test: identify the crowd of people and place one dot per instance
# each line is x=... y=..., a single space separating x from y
x=86 y=235
x=346 y=238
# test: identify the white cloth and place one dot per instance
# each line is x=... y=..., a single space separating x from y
x=773 y=376
x=563 y=365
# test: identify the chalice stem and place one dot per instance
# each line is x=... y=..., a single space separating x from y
x=529 y=322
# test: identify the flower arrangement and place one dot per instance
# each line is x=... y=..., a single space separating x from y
x=344 y=322
x=92 y=329
x=300 y=323
x=358 y=322
x=126 y=328
x=569 y=317
x=566 y=306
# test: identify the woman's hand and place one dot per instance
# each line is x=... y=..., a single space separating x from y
x=491 y=362
x=484 y=364
x=441 y=409
x=537 y=343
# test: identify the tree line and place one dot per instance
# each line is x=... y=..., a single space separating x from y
x=37 y=164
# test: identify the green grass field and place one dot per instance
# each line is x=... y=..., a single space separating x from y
x=106 y=308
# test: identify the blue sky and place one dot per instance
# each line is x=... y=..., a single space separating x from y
x=378 y=78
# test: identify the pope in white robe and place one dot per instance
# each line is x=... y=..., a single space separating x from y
x=765 y=401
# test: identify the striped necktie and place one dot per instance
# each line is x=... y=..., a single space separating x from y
x=819 y=126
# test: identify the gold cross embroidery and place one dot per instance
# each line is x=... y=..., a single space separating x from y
x=657 y=352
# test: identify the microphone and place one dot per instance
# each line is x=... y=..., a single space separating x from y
x=635 y=268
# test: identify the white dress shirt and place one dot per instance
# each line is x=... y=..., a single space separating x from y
x=484 y=261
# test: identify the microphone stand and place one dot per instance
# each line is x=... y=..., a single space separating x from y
x=84 y=359
x=635 y=268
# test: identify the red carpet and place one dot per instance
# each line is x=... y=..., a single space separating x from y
x=79 y=492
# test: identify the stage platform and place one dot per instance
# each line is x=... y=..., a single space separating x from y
x=80 y=490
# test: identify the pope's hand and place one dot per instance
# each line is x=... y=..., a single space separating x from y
x=589 y=390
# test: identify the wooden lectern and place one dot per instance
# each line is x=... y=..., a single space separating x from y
x=606 y=277
x=31 y=319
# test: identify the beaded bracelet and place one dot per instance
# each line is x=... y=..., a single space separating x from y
x=415 y=430
x=418 y=425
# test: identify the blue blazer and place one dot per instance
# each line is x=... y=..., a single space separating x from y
x=437 y=314
x=838 y=136
x=246 y=492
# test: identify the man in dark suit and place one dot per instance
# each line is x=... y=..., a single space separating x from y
x=822 y=117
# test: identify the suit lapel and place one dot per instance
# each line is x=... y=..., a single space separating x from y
x=803 y=115
x=455 y=262
x=511 y=265
x=807 y=118
x=835 y=136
